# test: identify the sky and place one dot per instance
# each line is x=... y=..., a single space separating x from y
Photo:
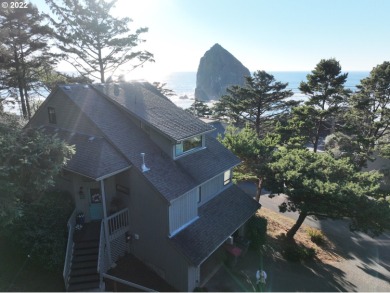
x=278 y=35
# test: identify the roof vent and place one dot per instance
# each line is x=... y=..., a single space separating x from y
x=85 y=86
x=66 y=87
x=143 y=167
x=91 y=139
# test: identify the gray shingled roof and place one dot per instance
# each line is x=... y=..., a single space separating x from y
x=165 y=174
x=94 y=156
x=156 y=110
x=209 y=162
x=218 y=219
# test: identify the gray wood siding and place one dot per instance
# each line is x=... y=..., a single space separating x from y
x=149 y=220
x=164 y=143
x=211 y=188
x=68 y=116
x=183 y=210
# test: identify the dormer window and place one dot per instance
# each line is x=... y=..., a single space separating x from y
x=188 y=145
x=52 y=115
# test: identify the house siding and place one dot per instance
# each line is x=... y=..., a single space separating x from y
x=183 y=210
x=68 y=116
x=164 y=143
x=152 y=246
x=211 y=188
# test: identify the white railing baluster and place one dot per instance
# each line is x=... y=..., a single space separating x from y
x=69 y=248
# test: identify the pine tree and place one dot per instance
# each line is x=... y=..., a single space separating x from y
x=258 y=103
x=24 y=40
x=93 y=41
x=325 y=88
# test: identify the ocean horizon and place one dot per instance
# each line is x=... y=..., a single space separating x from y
x=184 y=83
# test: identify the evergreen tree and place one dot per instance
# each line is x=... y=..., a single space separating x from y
x=254 y=153
x=325 y=88
x=199 y=109
x=318 y=185
x=93 y=41
x=258 y=103
x=29 y=161
x=24 y=40
x=368 y=117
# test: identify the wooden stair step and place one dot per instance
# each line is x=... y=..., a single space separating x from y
x=82 y=258
x=83 y=271
x=83 y=286
x=84 y=279
x=86 y=244
x=84 y=264
x=86 y=251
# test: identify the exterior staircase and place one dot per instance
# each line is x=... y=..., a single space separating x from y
x=83 y=271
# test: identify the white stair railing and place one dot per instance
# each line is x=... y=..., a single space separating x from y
x=69 y=248
x=101 y=265
x=118 y=223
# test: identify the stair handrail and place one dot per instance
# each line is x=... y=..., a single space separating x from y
x=118 y=223
x=101 y=267
x=69 y=248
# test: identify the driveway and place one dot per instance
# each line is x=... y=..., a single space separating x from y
x=365 y=267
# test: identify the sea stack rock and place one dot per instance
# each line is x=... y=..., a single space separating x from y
x=218 y=70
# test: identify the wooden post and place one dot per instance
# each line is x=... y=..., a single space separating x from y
x=106 y=232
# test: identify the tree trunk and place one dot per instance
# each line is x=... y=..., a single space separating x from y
x=259 y=186
x=290 y=234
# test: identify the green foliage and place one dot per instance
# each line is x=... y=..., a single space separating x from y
x=93 y=41
x=199 y=109
x=258 y=103
x=41 y=230
x=29 y=161
x=162 y=89
x=368 y=117
x=296 y=253
x=24 y=48
x=325 y=88
x=256 y=231
x=319 y=185
x=316 y=236
x=255 y=153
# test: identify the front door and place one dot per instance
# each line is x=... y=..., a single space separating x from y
x=96 y=205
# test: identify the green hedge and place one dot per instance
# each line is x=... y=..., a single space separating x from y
x=256 y=231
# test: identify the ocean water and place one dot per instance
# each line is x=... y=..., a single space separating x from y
x=184 y=83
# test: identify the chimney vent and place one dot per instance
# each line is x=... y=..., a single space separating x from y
x=143 y=167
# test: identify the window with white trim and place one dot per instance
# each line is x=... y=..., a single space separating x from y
x=188 y=145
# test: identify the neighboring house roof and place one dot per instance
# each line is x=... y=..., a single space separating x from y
x=156 y=110
x=213 y=160
x=94 y=156
x=218 y=219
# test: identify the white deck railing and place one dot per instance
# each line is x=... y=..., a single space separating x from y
x=118 y=224
x=101 y=265
x=69 y=248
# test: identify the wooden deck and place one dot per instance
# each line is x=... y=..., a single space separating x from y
x=131 y=269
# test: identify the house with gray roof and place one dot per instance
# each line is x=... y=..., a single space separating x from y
x=147 y=178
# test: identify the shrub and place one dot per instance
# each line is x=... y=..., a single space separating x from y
x=41 y=231
x=256 y=230
x=316 y=236
x=296 y=253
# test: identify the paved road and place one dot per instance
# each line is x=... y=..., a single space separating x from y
x=366 y=267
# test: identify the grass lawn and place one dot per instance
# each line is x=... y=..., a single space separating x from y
x=19 y=273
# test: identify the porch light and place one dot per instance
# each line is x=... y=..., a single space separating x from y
x=128 y=237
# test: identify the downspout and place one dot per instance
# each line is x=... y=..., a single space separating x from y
x=106 y=233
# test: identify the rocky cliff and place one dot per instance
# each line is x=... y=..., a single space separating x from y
x=218 y=69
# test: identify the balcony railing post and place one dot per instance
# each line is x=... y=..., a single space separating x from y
x=105 y=221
